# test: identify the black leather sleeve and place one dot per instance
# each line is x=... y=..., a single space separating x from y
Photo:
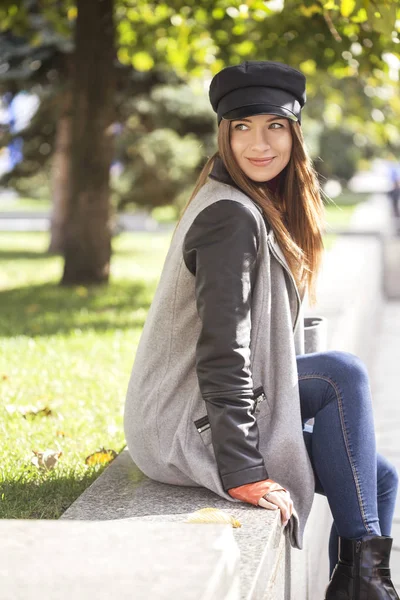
x=221 y=249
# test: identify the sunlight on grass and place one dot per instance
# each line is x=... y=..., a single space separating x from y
x=23 y=204
x=339 y=216
x=71 y=350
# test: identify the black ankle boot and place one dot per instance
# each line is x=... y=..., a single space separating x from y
x=362 y=572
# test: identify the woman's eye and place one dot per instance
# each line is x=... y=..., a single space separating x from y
x=244 y=127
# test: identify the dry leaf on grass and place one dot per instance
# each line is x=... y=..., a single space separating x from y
x=81 y=291
x=212 y=515
x=31 y=411
x=60 y=433
x=102 y=457
x=46 y=460
x=32 y=308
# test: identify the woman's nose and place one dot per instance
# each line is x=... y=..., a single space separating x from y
x=260 y=139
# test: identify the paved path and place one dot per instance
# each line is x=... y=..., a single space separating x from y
x=385 y=370
x=391 y=253
x=385 y=385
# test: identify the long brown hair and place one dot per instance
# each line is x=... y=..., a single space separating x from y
x=295 y=212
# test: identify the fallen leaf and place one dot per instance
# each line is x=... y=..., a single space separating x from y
x=46 y=460
x=102 y=457
x=30 y=411
x=212 y=515
x=81 y=291
x=32 y=308
x=63 y=434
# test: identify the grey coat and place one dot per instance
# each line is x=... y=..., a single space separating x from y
x=164 y=400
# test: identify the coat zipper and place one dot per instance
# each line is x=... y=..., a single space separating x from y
x=202 y=424
x=259 y=396
x=291 y=279
x=357 y=571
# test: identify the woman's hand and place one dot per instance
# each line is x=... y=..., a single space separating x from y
x=255 y=493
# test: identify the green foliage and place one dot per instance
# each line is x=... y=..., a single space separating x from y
x=14 y=15
x=190 y=36
x=179 y=105
x=338 y=154
x=162 y=164
x=164 y=143
x=193 y=37
x=344 y=47
x=35 y=186
x=41 y=22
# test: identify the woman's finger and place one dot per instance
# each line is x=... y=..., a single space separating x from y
x=283 y=502
x=279 y=496
x=274 y=503
x=278 y=499
x=265 y=504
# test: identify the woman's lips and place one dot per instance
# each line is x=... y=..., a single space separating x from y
x=261 y=162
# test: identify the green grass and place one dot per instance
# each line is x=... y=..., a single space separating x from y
x=22 y=204
x=339 y=216
x=70 y=350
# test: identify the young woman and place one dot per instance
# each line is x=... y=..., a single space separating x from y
x=221 y=389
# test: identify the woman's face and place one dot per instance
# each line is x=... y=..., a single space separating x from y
x=261 y=145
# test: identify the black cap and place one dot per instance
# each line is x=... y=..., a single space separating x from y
x=258 y=87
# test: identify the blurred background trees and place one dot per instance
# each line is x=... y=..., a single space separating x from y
x=121 y=117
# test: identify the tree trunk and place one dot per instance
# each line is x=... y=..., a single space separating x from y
x=88 y=236
x=61 y=175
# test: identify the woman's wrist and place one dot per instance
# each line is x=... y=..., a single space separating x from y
x=252 y=492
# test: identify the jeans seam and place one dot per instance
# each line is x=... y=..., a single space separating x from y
x=346 y=443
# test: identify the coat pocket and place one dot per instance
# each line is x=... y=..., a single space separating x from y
x=204 y=428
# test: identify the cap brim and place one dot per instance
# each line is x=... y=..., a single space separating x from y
x=259 y=109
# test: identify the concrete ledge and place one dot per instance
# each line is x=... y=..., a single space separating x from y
x=123 y=492
x=125 y=560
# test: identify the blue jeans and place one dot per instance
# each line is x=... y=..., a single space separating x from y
x=360 y=485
